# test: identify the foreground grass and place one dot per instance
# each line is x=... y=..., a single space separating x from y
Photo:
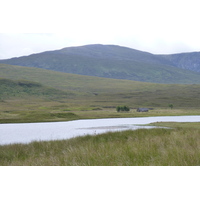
x=157 y=147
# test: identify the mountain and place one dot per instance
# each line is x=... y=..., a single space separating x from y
x=111 y=61
x=189 y=61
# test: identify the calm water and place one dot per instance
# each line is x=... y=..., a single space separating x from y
x=28 y=132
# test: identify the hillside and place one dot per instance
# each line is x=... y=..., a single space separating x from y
x=23 y=89
x=79 y=84
x=98 y=92
x=189 y=61
x=109 y=61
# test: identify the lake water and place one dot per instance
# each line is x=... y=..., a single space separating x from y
x=28 y=132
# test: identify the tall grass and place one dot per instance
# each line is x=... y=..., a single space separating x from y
x=155 y=147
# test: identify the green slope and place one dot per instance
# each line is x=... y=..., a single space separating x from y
x=109 y=61
x=76 y=83
x=71 y=82
x=106 y=92
x=189 y=61
x=22 y=89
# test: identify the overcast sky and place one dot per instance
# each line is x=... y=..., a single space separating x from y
x=156 y=26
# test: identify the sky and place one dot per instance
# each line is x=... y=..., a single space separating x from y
x=155 y=26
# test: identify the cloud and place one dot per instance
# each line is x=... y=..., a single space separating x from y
x=166 y=26
x=18 y=44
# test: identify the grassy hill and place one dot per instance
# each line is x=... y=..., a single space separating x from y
x=35 y=95
x=104 y=91
x=20 y=89
x=109 y=61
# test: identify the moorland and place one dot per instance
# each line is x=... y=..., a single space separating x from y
x=31 y=94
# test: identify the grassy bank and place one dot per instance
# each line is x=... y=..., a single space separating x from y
x=157 y=147
x=34 y=110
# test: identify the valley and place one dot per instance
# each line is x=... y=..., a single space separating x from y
x=30 y=94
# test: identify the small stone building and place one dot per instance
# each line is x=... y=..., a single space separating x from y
x=142 y=110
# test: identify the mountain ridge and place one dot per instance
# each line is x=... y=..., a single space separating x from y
x=189 y=61
x=118 y=62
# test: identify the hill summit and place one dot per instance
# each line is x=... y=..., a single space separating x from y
x=112 y=61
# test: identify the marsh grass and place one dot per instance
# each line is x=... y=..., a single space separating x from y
x=153 y=147
x=38 y=110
